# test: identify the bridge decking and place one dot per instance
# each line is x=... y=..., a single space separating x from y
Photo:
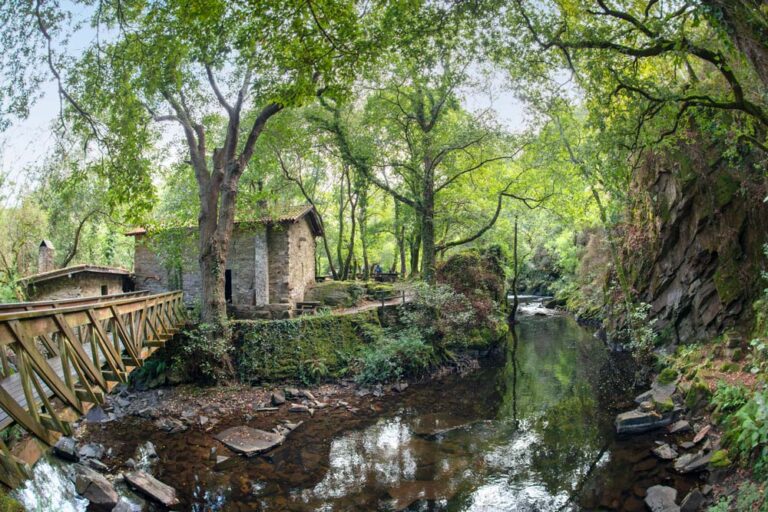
x=58 y=358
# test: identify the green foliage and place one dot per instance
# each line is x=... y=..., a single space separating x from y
x=203 y=354
x=309 y=348
x=640 y=331
x=728 y=398
x=749 y=498
x=150 y=375
x=747 y=433
x=397 y=355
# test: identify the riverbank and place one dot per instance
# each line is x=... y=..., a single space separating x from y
x=707 y=409
x=529 y=427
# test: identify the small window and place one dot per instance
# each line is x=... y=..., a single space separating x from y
x=228 y=286
x=104 y=289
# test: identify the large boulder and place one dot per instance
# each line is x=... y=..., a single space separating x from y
x=92 y=485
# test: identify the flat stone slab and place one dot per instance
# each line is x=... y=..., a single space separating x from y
x=249 y=441
x=153 y=488
x=637 y=421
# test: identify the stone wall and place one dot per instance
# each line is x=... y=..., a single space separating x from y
x=82 y=284
x=278 y=257
x=301 y=260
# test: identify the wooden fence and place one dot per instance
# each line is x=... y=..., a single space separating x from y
x=58 y=358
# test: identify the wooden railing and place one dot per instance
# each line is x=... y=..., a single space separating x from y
x=57 y=360
x=62 y=303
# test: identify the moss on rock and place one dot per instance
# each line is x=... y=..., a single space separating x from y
x=306 y=348
x=720 y=459
x=698 y=395
x=336 y=293
x=667 y=376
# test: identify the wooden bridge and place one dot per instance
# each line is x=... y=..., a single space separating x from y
x=59 y=358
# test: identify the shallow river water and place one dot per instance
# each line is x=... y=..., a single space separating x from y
x=530 y=431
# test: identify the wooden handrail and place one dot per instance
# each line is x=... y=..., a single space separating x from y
x=74 y=351
x=49 y=304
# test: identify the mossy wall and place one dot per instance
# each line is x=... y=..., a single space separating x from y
x=286 y=349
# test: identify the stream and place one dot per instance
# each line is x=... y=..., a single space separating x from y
x=531 y=430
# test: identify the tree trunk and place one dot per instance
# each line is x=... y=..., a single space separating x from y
x=415 y=244
x=515 y=301
x=428 y=224
x=340 y=242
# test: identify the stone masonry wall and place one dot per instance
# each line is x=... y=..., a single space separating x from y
x=278 y=257
x=301 y=259
x=84 y=284
x=247 y=261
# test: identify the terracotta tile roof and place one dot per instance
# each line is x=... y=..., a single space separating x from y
x=278 y=214
x=68 y=271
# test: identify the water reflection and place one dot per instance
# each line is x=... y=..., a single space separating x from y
x=536 y=437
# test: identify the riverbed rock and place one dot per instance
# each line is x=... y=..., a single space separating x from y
x=123 y=506
x=249 y=441
x=170 y=425
x=92 y=485
x=305 y=393
x=665 y=452
x=399 y=387
x=97 y=415
x=300 y=408
x=661 y=498
x=291 y=392
x=657 y=393
x=691 y=462
x=693 y=501
x=153 y=488
x=91 y=451
x=277 y=398
x=66 y=448
x=637 y=421
x=679 y=427
x=701 y=434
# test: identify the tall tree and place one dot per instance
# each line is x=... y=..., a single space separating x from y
x=190 y=64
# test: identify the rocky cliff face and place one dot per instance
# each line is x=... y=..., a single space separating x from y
x=694 y=244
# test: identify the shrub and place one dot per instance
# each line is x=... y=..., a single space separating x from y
x=392 y=358
x=204 y=354
x=747 y=433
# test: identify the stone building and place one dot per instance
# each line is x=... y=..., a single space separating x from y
x=77 y=281
x=271 y=262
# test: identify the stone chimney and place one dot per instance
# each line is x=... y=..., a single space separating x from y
x=45 y=256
